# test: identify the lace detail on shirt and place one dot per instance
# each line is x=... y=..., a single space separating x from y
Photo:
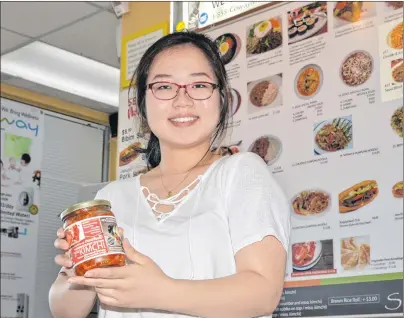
x=172 y=201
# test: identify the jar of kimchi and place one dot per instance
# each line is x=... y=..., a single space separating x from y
x=92 y=233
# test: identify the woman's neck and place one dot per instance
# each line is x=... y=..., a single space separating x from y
x=181 y=160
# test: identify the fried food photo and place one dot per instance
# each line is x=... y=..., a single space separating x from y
x=358 y=196
x=354 y=254
x=395 y=37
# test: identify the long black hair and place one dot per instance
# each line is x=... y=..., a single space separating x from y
x=140 y=76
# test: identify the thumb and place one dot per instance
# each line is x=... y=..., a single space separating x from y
x=131 y=254
x=121 y=232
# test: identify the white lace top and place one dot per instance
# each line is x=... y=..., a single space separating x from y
x=237 y=202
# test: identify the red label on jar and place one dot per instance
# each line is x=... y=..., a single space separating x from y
x=93 y=237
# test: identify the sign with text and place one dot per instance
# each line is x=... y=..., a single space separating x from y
x=134 y=46
x=211 y=12
x=22 y=133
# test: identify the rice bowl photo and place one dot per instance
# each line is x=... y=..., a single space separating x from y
x=265 y=92
x=268 y=147
x=229 y=46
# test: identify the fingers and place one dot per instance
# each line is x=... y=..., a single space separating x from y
x=109 y=301
x=121 y=232
x=61 y=244
x=107 y=273
x=132 y=254
x=60 y=233
x=96 y=282
x=63 y=260
x=106 y=292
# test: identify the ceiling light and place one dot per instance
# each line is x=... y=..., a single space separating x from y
x=53 y=67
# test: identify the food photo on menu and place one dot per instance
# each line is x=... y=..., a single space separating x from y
x=264 y=36
x=397 y=70
x=225 y=150
x=347 y=12
x=236 y=101
x=395 y=37
x=311 y=203
x=355 y=253
x=129 y=154
x=308 y=81
x=268 y=147
x=358 y=196
x=265 y=92
x=229 y=45
x=333 y=135
x=308 y=21
x=397 y=121
x=398 y=190
x=313 y=258
x=391 y=6
x=356 y=68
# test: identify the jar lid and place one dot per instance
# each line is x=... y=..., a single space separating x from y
x=84 y=205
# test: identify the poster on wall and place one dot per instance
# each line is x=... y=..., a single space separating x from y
x=22 y=132
x=131 y=137
x=135 y=45
x=318 y=94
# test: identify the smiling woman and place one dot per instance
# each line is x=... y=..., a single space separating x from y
x=205 y=227
x=206 y=87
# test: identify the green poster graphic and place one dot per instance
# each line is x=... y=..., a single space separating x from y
x=15 y=146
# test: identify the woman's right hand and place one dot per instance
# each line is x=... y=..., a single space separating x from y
x=62 y=244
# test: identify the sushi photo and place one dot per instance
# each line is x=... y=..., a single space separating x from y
x=308 y=21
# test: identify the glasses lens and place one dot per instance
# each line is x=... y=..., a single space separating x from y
x=200 y=90
x=164 y=90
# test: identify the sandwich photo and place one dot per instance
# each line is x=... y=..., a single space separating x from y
x=358 y=196
x=398 y=190
x=129 y=154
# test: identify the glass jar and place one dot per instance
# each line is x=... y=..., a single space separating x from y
x=92 y=233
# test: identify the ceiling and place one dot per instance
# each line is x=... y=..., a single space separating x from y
x=88 y=29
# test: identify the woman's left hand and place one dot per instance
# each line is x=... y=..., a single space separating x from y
x=136 y=285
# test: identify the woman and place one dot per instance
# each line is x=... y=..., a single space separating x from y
x=211 y=233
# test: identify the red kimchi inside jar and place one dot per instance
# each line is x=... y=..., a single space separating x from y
x=93 y=236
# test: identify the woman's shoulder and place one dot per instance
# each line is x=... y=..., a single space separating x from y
x=244 y=161
x=121 y=187
x=244 y=170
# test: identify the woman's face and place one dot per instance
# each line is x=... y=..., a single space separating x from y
x=182 y=121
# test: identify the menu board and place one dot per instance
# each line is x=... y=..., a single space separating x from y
x=318 y=94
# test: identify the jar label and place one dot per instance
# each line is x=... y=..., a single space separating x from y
x=93 y=237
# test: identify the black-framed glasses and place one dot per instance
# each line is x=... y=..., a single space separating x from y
x=169 y=90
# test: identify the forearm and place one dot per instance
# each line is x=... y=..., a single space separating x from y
x=246 y=294
x=70 y=301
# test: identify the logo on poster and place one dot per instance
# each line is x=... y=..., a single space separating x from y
x=396 y=299
x=21 y=125
x=203 y=18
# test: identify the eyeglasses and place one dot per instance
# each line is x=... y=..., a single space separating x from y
x=196 y=90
